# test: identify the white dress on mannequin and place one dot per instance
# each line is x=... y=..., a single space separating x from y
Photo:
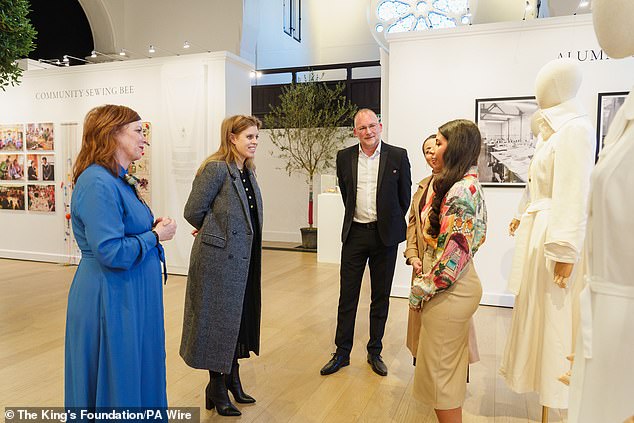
x=602 y=384
x=551 y=230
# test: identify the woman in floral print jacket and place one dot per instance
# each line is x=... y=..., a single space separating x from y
x=449 y=290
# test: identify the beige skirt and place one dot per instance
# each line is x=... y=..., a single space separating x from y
x=413 y=319
x=442 y=357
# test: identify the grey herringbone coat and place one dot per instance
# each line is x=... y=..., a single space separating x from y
x=218 y=267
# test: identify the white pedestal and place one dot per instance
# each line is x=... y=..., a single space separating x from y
x=330 y=212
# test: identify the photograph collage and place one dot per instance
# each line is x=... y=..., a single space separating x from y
x=27 y=167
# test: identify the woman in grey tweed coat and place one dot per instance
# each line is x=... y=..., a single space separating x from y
x=222 y=302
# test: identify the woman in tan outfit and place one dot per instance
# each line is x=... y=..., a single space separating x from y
x=416 y=247
x=418 y=256
x=454 y=227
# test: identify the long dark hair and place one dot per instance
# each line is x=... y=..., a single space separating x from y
x=463 y=148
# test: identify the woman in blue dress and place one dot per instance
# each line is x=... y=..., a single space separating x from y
x=115 y=338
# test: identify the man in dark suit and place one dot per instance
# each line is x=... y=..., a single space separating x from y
x=375 y=184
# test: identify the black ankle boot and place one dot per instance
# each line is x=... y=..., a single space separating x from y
x=216 y=395
x=234 y=385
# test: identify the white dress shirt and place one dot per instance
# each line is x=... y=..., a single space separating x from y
x=367 y=179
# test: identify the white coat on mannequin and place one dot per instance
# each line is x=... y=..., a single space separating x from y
x=602 y=387
x=551 y=233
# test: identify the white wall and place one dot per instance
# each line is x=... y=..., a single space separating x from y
x=332 y=32
x=211 y=25
x=342 y=31
x=185 y=99
x=485 y=61
x=275 y=49
x=285 y=197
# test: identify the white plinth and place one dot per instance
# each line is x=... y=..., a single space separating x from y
x=330 y=212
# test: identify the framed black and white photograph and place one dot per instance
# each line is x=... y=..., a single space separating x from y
x=507 y=140
x=609 y=104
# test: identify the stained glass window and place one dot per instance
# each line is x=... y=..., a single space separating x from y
x=422 y=7
x=393 y=16
x=421 y=24
x=390 y=9
x=419 y=15
x=403 y=25
x=453 y=6
x=438 y=20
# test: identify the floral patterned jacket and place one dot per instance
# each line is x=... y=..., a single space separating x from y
x=463 y=220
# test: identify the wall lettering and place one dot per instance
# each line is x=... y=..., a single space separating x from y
x=85 y=92
x=584 y=55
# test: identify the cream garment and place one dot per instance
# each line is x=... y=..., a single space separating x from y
x=551 y=230
x=602 y=385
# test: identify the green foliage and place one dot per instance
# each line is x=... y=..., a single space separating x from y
x=16 y=39
x=306 y=126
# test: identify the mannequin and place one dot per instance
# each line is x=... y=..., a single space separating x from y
x=546 y=275
x=601 y=388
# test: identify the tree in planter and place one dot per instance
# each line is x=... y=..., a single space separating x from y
x=16 y=39
x=307 y=128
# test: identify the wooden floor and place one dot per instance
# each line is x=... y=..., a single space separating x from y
x=299 y=310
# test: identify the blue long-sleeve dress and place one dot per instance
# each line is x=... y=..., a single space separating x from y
x=115 y=336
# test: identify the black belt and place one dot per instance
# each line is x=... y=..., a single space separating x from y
x=369 y=225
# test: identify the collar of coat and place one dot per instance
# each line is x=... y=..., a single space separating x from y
x=234 y=171
x=563 y=113
x=628 y=106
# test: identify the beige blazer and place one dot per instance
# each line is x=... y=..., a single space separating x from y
x=415 y=247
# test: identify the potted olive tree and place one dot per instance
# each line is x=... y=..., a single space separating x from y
x=308 y=127
x=16 y=39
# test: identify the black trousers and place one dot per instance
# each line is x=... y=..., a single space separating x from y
x=364 y=246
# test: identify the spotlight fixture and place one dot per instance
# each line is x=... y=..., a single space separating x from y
x=152 y=48
x=124 y=52
x=96 y=53
x=583 y=4
x=189 y=44
x=67 y=58
x=55 y=62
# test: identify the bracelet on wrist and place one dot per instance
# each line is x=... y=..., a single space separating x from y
x=156 y=235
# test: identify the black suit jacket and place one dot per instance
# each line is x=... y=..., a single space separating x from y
x=393 y=190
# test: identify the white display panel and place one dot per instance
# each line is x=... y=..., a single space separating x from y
x=186 y=98
x=436 y=76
